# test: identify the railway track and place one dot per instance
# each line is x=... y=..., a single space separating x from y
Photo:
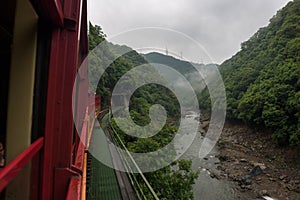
x=121 y=178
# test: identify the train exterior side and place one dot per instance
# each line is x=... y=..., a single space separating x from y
x=43 y=43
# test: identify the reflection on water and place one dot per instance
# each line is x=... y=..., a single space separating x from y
x=205 y=187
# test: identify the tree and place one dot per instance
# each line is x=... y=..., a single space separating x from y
x=262 y=80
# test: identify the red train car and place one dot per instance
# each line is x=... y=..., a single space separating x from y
x=43 y=43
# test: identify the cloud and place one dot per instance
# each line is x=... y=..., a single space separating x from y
x=219 y=25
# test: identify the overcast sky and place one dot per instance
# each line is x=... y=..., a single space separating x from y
x=218 y=25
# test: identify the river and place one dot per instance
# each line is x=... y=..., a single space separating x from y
x=206 y=187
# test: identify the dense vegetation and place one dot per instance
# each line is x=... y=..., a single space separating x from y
x=171 y=182
x=183 y=67
x=263 y=79
x=190 y=71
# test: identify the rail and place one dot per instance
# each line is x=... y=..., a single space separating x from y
x=77 y=185
x=87 y=126
x=131 y=175
x=9 y=172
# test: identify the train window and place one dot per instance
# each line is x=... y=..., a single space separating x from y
x=7 y=13
x=23 y=45
x=41 y=79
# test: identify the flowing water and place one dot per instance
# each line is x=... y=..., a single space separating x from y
x=206 y=187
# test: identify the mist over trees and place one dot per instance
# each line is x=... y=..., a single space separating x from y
x=174 y=181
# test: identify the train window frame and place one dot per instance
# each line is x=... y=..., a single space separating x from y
x=20 y=94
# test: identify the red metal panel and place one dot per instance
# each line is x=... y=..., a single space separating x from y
x=83 y=32
x=97 y=102
x=59 y=119
x=81 y=92
x=12 y=169
x=52 y=125
x=82 y=95
x=81 y=147
x=35 y=177
x=82 y=82
x=49 y=9
x=74 y=189
x=61 y=187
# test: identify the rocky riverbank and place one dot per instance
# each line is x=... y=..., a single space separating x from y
x=256 y=165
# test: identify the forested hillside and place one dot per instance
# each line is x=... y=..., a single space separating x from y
x=263 y=79
x=183 y=67
x=197 y=75
x=171 y=182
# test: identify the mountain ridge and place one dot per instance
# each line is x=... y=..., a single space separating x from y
x=262 y=79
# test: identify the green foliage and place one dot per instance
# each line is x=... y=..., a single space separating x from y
x=171 y=182
x=175 y=181
x=263 y=80
x=151 y=94
x=183 y=67
x=96 y=36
